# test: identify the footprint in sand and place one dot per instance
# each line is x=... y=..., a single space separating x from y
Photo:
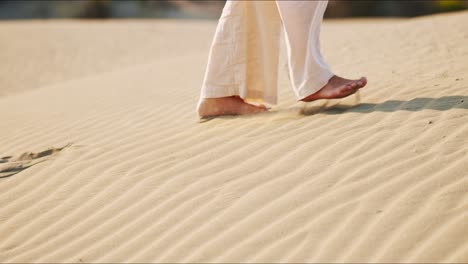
x=11 y=165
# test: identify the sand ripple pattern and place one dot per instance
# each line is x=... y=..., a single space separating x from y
x=378 y=178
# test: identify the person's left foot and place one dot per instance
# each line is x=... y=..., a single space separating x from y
x=230 y=105
x=337 y=87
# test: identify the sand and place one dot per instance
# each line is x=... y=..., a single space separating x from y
x=103 y=158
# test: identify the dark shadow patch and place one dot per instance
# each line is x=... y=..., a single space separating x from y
x=444 y=103
x=11 y=165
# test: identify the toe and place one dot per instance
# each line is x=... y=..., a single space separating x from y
x=248 y=109
x=259 y=110
x=262 y=106
x=364 y=81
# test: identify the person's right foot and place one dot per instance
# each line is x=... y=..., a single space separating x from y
x=232 y=105
x=337 y=87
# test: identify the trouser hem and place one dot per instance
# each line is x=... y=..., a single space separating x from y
x=314 y=86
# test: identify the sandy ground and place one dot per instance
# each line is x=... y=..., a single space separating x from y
x=104 y=160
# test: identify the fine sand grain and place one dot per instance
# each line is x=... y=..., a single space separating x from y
x=102 y=158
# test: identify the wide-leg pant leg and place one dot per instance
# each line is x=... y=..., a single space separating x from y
x=302 y=22
x=244 y=54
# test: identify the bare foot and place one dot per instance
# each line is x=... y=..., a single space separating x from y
x=232 y=105
x=337 y=87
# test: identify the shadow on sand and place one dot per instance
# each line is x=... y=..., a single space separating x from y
x=418 y=104
x=444 y=103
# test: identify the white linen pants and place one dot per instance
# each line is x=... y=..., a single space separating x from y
x=244 y=54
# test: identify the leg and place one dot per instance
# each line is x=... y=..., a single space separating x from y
x=311 y=76
x=243 y=60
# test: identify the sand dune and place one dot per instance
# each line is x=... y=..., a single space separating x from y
x=104 y=160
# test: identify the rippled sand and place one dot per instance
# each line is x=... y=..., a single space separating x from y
x=102 y=158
